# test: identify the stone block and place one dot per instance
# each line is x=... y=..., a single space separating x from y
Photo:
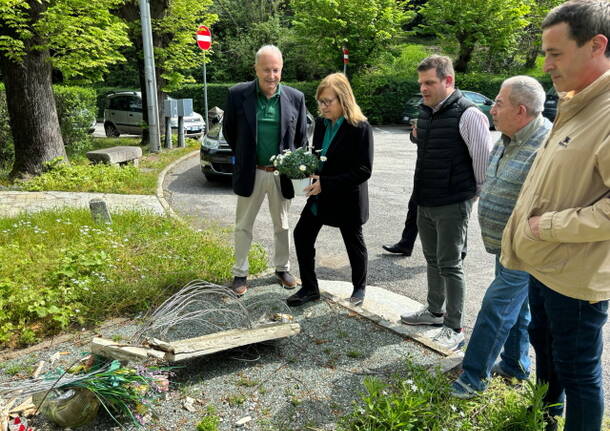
x=115 y=155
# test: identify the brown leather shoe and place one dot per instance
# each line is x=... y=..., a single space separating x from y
x=239 y=286
x=286 y=279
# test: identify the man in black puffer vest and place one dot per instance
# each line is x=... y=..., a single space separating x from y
x=453 y=146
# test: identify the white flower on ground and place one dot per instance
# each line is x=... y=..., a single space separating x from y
x=302 y=168
x=323 y=158
x=276 y=172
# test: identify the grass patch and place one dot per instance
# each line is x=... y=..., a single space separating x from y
x=210 y=421
x=82 y=176
x=58 y=269
x=422 y=401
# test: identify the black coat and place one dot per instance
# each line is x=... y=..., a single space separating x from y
x=344 y=199
x=239 y=129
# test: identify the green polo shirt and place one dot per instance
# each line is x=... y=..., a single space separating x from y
x=267 y=126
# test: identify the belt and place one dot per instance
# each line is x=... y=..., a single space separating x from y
x=265 y=168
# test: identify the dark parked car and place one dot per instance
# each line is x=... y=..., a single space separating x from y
x=484 y=103
x=550 y=105
x=216 y=157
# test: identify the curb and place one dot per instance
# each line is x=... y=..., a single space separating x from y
x=161 y=179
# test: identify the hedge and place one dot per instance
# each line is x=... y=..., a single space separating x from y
x=381 y=96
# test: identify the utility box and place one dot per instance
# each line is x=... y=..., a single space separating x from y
x=185 y=107
x=170 y=108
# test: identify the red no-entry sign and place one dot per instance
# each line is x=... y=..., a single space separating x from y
x=345 y=55
x=204 y=38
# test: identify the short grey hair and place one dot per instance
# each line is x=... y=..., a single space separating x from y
x=268 y=49
x=526 y=91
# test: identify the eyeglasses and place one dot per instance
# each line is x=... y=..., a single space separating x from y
x=326 y=102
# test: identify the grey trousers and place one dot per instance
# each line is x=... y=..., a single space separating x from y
x=443 y=232
x=265 y=184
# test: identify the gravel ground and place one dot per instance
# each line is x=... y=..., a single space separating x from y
x=304 y=382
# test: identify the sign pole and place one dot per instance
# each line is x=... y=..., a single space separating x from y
x=204 y=42
x=205 y=95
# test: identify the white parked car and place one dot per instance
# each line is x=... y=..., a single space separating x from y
x=123 y=115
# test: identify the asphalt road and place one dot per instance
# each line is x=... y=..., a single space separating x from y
x=191 y=196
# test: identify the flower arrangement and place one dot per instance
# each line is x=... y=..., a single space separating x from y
x=125 y=393
x=297 y=164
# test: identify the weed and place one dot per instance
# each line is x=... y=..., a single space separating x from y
x=117 y=338
x=210 y=421
x=342 y=334
x=18 y=368
x=236 y=400
x=355 y=354
x=295 y=401
x=246 y=382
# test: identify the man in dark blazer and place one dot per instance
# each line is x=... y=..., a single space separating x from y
x=263 y=118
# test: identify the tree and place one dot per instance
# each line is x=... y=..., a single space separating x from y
x=365 y=28
x=79 y=37
x=174 y=23
x=495 y=24
x=530 y=38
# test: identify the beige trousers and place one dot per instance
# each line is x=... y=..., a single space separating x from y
x=265 y=184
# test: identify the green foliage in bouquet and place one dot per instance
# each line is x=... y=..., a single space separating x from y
x=297 y=164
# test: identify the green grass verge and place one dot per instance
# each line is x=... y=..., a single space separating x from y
x=422 y=401
x=58 y=269
x=81 y=176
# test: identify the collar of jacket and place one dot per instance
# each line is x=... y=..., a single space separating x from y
x=570 y=104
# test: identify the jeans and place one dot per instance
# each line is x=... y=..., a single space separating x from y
x=501 y=322
x=566 y=334
x=442 y=231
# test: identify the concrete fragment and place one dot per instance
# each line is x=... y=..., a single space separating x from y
x=115 y=155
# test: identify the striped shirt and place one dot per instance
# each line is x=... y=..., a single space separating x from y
x=474 y=130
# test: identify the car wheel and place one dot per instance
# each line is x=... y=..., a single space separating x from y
x=111 y=130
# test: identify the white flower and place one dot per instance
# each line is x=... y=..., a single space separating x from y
x=454 y=408
x=276 y=172
x=275 y=163
x=272 y=158
x=323 y=158
x=302 y=168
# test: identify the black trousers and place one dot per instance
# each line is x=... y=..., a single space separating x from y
x=305 y=235
x=409 y=233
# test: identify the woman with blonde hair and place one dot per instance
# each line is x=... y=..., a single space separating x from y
x=339 y=195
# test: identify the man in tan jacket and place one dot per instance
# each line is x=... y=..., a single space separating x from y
x=559 y=231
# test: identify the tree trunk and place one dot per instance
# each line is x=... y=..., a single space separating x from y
x=464 y=57
x=31 y=104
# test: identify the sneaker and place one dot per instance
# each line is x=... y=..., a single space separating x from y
x=497 y=370
x=449 y=339
x=462 y=391
x=422 y=317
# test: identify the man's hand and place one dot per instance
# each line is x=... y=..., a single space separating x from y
x=315 y=188
x=534 y=223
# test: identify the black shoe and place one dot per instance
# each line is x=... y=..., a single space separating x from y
x=302 y=297
x=239 y=286
x=398 y=249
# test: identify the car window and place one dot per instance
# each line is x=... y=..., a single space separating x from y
x=134 y=104
x=120 y=103
x=476 y=98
